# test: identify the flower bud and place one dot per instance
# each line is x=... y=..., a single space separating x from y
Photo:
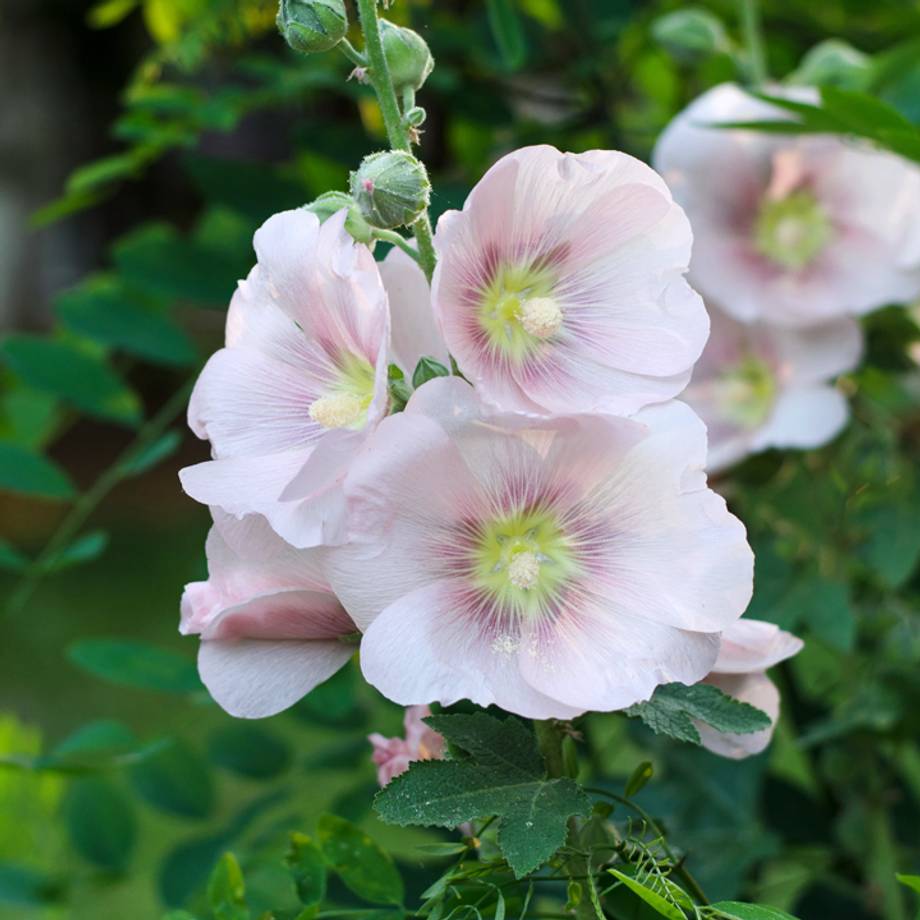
x=391 y=188
x=330 y=203
x=408 y=58
x=309 y=26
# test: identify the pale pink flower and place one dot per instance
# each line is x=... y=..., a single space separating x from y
x=758 y=386
x=414 y=334
x=393 y=755
x=300 y=383
x=548 y=566
x=791 y=229
x=559 y=285
x=748 y=649
x=270 y=627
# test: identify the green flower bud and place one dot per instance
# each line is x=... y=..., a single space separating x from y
x=309 y=26
x=391 y=188
x=330 y=203
x=408 y=58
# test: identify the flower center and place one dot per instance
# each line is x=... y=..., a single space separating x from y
x=522 y=560
x=746 y=392
x=792 y=231
x=345 y=403
x=517 y=311
x=337 y=410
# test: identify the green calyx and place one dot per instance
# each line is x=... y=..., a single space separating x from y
x=311 y=26
x=747 y=392
x=516 y=310
x=330 y=203
x=792 y=231
x=391 y=189
x=408 y=59
x=522 y=560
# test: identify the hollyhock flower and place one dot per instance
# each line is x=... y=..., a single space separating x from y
x=270 y=627
x=758 y=386
x=748 y=648
x=414 y=334
x=548 y=566
x=559 y=285
x=393 y=755
x=300 y=383
x=791 y=229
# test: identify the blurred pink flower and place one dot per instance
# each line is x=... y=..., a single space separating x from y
x=270 y=627
x=758 y=386
x=546 y=566
x=748 y=649
x=393 y=755
x=790 y=229
x=559 y=285
x=300 y=383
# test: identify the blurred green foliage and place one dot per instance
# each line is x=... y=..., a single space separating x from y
x=128 y=814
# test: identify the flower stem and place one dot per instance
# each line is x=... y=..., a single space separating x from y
x=379 y=75
x=391 y=236
x=549 y=739
x=753 y=41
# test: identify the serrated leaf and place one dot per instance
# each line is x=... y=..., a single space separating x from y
x=504 y=776
x=673 y=707
x=227 y=890
x=657 y=902
x=72 y=375
x=366 y=869
x=101 y=824
x=738 y=911
x=175 y=780
x=308 y=869
x=29 y=473
x=135 y=664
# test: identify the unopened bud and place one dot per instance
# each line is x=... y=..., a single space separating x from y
x=330 y=203
x=408 y=58
x=309 y=26
x=391 y=189
x=416 y=116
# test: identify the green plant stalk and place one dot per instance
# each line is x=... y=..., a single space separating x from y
x=379 y=75
x=549 y=740
x=753 y=41
x=86 y=504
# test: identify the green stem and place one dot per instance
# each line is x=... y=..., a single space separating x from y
x=352 y=53
x=391 y=236
x=90 y=499
x=753 y=41
x=379 y=75
x=549 y=739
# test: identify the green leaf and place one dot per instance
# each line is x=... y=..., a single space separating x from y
x=227 y=890
x=101 y=823
x=29 y=473
x=365 y=868
x=135 y=664
x=427 y=369
x=308 y=869
x=657 y=902
x=508 y=33
x=85 y=548
x=833 y=62
x=892 y=545
x=250 y=751
x=738 y=911
x=25 y=886
x=101 y=309
x=911 y=881
x=640 y=776
x=176 y=780
x=72 y=375
x=673 y=708
x=165 y=446
x=101 y=745
x=503 y=776
x=109 y=13
x=11 y=560
x=691 y=32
